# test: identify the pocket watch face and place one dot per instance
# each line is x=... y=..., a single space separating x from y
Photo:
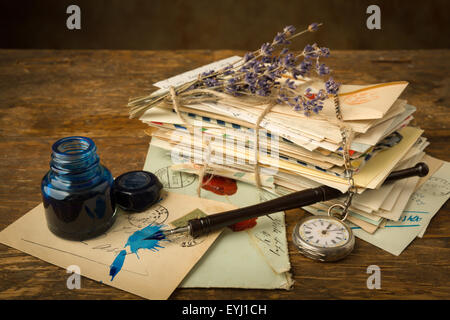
x=324 y=232
x=323 y=238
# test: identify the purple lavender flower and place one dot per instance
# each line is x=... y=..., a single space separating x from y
x=289 y=61
x=289 y=30
x=194 y=86
x=248 y=56
x=305 y=66
x=228 y=70
x=260 y=73
x=313 y=27
x=310 y=51
x=280 y=39
x=250 y=77
x=257 y=67
x=209 y=79
x=331 y=86
x=321 y=95
x=232 y=81
x=322 y=69
x=207 y=73
x=313 y=101
x=274 y=64
x=211 y=82
x=266 y=59
x=263 y=82
x=290 y=84
x=266 y=49
x=324 y=52
x=308 y=48
x=283 y=97
x=296 y=72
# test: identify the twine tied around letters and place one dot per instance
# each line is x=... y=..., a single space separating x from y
x=256 y=130
x=205 y=165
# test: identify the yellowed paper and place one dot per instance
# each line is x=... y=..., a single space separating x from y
x=149 y=274
x=433 y=166
x=378 y=168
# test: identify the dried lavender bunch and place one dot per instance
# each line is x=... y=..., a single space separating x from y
x=259 y=73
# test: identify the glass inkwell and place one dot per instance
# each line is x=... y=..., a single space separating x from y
x=77 y=191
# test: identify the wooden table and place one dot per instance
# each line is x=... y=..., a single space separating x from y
x=46 y=95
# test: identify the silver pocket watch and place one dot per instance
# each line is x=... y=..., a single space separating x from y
x=324 y=238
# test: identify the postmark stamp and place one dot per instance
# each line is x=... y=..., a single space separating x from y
x=156 y=215
x=174 y=179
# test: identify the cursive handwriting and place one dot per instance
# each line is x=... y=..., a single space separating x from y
x=271 y=241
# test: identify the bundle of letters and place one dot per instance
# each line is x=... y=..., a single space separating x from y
x=290 y=151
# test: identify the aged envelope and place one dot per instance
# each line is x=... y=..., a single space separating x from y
x=152 y=274
x=193 y=74
x=407 y=187
x=433 y=165
x=376 y=170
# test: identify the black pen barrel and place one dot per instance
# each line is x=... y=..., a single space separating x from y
x=421 y=170
x=297 y=199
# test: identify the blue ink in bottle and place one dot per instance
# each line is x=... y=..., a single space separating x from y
x=77 y=191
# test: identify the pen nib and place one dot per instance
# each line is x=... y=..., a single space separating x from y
x=163 y=234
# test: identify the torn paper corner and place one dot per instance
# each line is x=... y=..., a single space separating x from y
x=289 y=285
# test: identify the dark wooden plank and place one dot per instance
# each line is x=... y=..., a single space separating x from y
x=45 y=95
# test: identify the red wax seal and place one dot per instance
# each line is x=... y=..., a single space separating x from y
x=243 y=225
x=226 y=186
x=219 y=185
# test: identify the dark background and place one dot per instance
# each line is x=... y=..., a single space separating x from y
x=224 y=24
